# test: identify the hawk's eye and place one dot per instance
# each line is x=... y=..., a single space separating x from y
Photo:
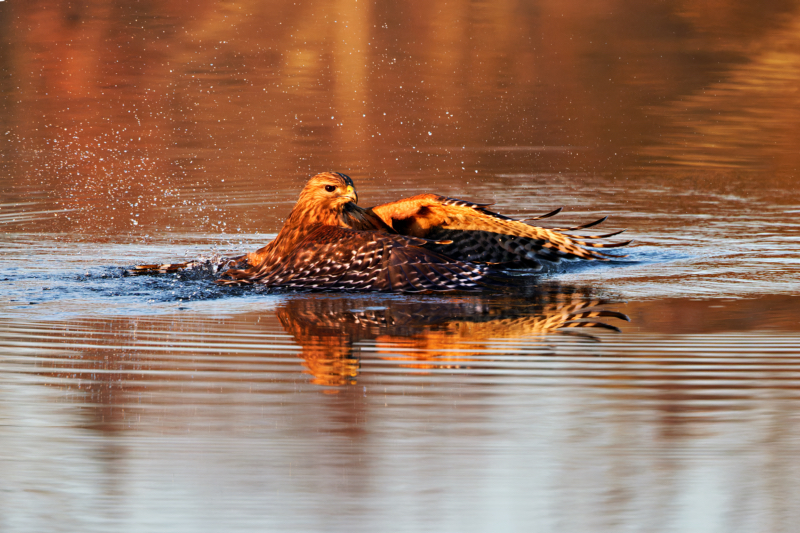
x=330 y=188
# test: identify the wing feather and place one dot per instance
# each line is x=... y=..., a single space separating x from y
x=476 y=234
x=336 y=258
x=583 y=226
x=552 y=213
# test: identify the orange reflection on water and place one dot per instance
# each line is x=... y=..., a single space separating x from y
x=131 y=115
x=204 y=117
x=439 y=332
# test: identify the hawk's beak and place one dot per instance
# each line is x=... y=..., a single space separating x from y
x=351 y=193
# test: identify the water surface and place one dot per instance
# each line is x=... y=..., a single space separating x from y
x=135 y=132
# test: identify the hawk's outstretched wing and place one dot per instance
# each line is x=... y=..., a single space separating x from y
x=336 y=258
x=473 y=233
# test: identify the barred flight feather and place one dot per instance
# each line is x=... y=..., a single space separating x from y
x=552 y=213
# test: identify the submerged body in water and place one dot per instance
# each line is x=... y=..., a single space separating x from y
x=423 y=243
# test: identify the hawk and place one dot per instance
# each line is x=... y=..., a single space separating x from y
x=426 y=243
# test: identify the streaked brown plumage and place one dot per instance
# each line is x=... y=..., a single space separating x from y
x=423 y=243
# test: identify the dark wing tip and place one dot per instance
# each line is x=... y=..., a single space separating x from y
x=600 y=325
x=552 y=213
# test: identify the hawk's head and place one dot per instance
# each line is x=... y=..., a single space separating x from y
x=328 y=191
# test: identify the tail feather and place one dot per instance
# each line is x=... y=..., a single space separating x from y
x=213 y=265
x=161 y=269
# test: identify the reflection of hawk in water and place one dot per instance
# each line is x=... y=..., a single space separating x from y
x=440 y=332
x=424 y=243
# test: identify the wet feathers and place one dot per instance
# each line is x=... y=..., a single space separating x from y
x=424 y=243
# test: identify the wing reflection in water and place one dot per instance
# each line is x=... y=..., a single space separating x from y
x=436 y=332
x=178 y=370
